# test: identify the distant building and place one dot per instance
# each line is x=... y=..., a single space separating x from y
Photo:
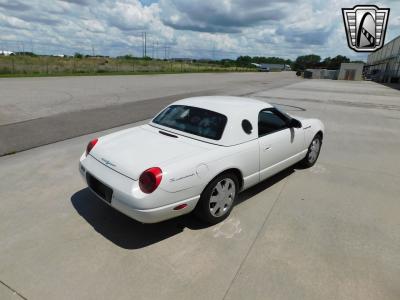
x=261 y=67
x=279 y=67
x=6 y=53
x=320 y=74
x=384 y=64
x=272 y=67
x=351 y=71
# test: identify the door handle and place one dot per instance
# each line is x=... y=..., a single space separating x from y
x=267 y=148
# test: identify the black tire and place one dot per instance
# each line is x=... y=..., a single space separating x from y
x=310 y=159
x=205 y=208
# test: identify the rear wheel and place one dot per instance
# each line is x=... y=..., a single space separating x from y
x=313 y=152
x=217 y=200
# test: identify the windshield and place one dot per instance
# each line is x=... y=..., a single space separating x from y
x=193 y=120
x=283 y=113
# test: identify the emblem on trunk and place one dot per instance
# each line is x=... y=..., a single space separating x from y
x=107 y=162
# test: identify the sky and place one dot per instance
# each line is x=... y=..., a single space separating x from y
x=182 y=28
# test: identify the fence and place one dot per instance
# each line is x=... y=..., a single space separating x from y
x=33 y=58
x=152 y=48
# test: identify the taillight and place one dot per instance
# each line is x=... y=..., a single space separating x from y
x=150 y=180
x=90 y=146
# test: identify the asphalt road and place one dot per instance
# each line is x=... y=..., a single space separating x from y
x=40 y=111
x=329 y=232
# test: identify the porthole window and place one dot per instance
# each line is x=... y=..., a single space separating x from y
x=247 y=127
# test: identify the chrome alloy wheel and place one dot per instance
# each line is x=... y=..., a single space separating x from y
x=222 y=197
x=314 y=150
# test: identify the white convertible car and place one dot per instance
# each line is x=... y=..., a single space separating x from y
x=196 y=155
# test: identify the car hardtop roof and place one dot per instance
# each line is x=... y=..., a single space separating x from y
x=236 y=109
x=226 y=105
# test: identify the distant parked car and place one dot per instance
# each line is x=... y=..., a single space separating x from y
x=375 y=75
x=196 y=155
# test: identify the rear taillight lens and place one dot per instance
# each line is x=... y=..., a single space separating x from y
x=150 y=180
x=90 y=146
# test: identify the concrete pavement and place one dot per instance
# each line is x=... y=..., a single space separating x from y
x=35 y=111
x=329 y=232
x=24 y=99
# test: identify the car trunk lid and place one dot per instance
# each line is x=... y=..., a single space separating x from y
x=132 y=151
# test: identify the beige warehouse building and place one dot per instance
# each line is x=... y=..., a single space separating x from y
x=351 y=71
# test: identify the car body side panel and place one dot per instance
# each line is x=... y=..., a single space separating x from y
x=280 y=149
x=198 y=171
x=311 y=127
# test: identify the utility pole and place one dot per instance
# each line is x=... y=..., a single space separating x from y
x=157 y=50
x=92 y=50
x=145 y=44
x=165 y=52
x=213 y=52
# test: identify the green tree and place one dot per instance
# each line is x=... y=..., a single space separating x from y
x=244 y=61
x=334 y=63
x=310 y=61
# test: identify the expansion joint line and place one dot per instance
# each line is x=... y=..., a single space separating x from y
x=13 y=291
x=255 y=239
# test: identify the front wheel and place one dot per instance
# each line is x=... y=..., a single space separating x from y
x=217 y=200
x=313 y=152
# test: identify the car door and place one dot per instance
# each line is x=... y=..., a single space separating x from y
x=279 y=144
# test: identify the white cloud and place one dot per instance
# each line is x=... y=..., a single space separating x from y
x=94 y=25
x=196 y=28
x=13 y=22
x=129 y=14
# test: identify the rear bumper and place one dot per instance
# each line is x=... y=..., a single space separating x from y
x=127 y=199
x=155 y=215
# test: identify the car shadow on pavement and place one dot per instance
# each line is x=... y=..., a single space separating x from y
x=122 y=230
x=258 y=188
x=130 y=234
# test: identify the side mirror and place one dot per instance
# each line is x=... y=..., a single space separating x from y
x=293 y=123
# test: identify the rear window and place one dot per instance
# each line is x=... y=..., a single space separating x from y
x=193 y=120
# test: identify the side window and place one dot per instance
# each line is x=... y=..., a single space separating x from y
x=269 y=122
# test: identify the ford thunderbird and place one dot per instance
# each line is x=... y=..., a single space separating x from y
x=196 y=155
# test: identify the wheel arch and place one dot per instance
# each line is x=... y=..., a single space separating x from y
x=235 y=171
x=321 y=134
